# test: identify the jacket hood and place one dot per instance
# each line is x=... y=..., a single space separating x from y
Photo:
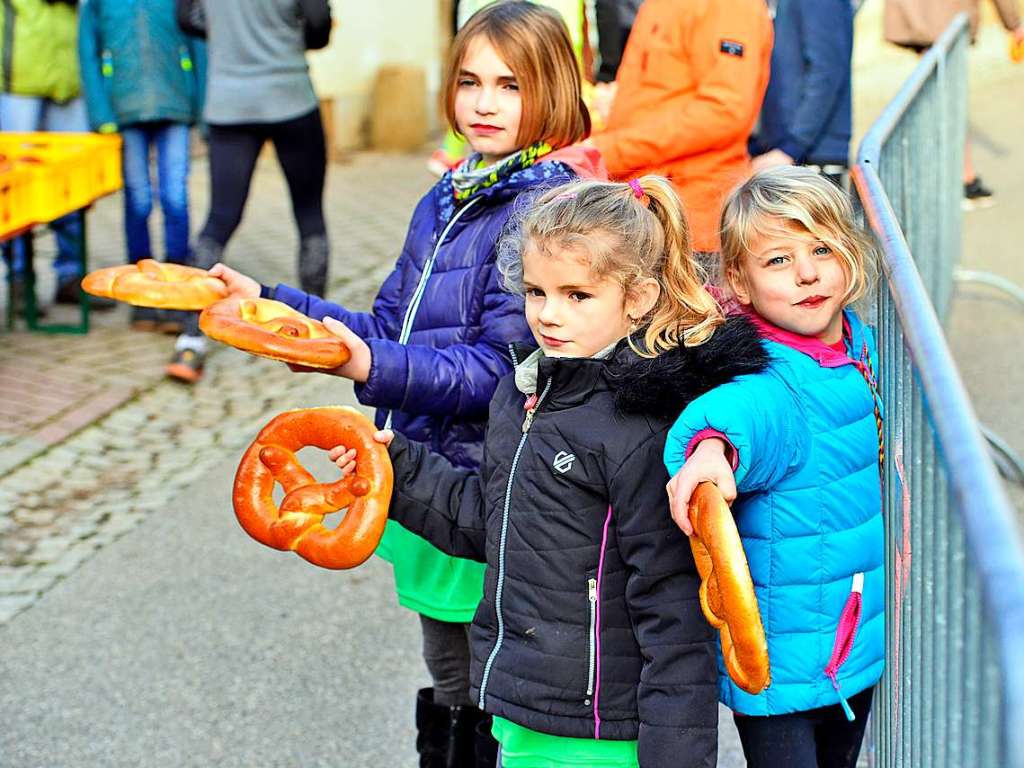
x=663 y=385
x=585 y=162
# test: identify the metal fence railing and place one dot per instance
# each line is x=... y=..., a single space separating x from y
x=953 y=690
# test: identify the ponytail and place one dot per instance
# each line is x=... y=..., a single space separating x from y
x=633 y=233
x=685 y=312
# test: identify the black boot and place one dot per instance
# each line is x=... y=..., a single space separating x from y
x=314 y=255
x=485 y=746
x=206 y=252
x=433 y=728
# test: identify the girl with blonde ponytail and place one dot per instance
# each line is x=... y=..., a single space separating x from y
x=589 y=647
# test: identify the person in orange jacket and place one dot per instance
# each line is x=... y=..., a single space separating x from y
x=689 y=90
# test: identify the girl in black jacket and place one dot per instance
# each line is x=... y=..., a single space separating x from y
x=589 y=646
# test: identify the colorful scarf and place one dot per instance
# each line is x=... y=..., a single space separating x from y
x=469 y=178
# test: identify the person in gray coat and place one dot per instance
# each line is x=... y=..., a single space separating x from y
x=259 y=90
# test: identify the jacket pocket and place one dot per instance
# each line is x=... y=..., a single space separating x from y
x=846 y=633
x=592 y=638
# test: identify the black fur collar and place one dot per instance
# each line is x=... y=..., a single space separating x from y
x=664 y=385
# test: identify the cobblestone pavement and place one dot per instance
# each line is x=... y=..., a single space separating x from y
x=97 y=438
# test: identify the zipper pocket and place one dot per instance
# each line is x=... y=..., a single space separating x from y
x=846 y=633
x=592 y=644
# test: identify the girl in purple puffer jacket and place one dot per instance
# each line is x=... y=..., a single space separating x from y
x=431 y=352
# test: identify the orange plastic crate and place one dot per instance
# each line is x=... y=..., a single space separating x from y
x=15 y=199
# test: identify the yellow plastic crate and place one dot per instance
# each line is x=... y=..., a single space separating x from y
x=71 y=169
x=15 y=199
x=103 y=151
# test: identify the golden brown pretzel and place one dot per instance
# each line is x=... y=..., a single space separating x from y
x=149 y=283
x=726 y=590
x=271 y=329
x=297 y=524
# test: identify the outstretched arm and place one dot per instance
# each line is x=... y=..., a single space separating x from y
x=457 y=380
x=431 y=497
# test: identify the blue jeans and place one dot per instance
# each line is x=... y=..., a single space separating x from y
x=171 y=141
x=29 y=113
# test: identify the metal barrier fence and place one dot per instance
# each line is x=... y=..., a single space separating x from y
x=953 y=690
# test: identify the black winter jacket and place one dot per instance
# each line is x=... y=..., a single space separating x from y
x=590 y=625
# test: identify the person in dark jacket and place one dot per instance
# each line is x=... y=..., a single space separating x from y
x=259 y=90
x=806 y=118
x=144 y=78
x=589 y=647
x=435 y=345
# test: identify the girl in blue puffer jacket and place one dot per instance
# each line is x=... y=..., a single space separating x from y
x=801 y=443
x=431 y=352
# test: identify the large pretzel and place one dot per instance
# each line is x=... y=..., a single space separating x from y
x=726 y=590
x=271 y=329
x=297 y=524
x=149 y=283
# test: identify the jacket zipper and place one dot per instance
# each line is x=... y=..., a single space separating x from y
x=846 y=632
x=421 y=287
x=592 y=599
x=527 y=423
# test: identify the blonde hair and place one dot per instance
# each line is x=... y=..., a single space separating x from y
x=534 y=43
x=629 y=238
x=797 y=196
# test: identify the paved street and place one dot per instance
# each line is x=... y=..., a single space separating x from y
x=139 y=626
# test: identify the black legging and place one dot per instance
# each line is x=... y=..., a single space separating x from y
x=302 y=153
x=817 y=738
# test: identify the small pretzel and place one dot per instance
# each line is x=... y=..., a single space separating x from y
x=149 y=283
x=271 y=329
x=297 y=525
x=726 y=590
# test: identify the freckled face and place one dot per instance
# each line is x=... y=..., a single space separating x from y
x=571 y=312
x=488 y=105
x=795 y=282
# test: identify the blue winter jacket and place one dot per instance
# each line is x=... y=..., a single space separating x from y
x=439 y=332
x=807 y=109
x=808 y=511
x=137 y=66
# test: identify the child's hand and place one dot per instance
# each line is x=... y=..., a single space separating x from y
x=707 y=462
x=239 y=285
x=345 y=458
x=358 y=366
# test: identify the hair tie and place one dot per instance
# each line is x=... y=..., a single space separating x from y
x=639 y=193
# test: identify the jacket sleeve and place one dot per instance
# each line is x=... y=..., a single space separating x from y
x=90 y=47
x=438 y=501
x=197 y=53
x=677 y=699
x=316 y=23
x=826 y=40
x=458 y=380
x=724 y=102
x=758 y=415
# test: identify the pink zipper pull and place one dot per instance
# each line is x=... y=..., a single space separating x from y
x=531 y=402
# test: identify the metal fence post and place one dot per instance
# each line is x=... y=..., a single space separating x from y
x=952 y=693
